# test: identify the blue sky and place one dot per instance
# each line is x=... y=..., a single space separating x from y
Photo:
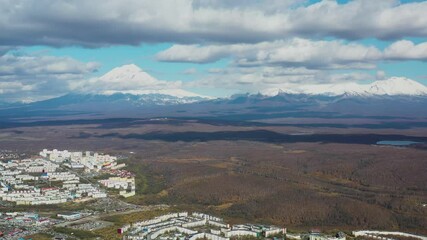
x=211 y=47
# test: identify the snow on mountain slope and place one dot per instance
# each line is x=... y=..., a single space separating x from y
x=179 y=93
x=277 y=91
x=397 y=86
x=391 y=86
x=128 y=73
x=334 y=89
x=130 y=79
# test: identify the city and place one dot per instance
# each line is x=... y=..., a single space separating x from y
x=62 y=176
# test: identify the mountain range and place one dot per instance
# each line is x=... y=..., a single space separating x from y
x=394 y=96
x=144 y=84
x=142 y=89
x=389 y=87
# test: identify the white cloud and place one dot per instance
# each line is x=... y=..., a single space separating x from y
x=380 y=75
x=194 y=53
x=268 y=6
x=39 y=77
x=28 y=65
x=13 y=87
x=294 y=52
x=385 y=19
x=98 y=23
x=313 y=54
x=256 y=78
x=297 y=52
x=406 y=50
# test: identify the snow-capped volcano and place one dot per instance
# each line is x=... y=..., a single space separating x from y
x=390 y=87
x=128 y=73
x=397 y=86
x=130 y=79
x=130 y=85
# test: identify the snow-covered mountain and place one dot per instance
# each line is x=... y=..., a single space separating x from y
x=390 y=87
x=128 y=73
x=129 y=89
x=131 y=80
x=123 y=88
x=397 y=86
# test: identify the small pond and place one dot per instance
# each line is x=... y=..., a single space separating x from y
x=397 y=143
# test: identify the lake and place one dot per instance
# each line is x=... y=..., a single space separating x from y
x=397 y=143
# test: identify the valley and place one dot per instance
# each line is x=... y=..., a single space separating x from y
x=295 y=176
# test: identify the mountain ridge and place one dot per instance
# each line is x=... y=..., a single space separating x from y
x=390 y=87
x=402 y=95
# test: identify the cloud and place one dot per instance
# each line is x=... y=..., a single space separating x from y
x=13 y=87
x=196 y=53
x=406 y=50
x=297 y=61
x=268 y=6
x=254 y=79
x=99 y=23
x=39 y=77
x=297 y=52
x=380 y=75
x=386 y=19
x=15 y=65
x=312 y=54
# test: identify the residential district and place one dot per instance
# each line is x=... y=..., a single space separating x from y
x=194 y=226
x=172 y=226
x=186 y=226
x=62 y=176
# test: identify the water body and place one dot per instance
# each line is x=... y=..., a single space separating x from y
x=397 y=143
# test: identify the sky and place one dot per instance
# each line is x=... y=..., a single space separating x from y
x=49 y=48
